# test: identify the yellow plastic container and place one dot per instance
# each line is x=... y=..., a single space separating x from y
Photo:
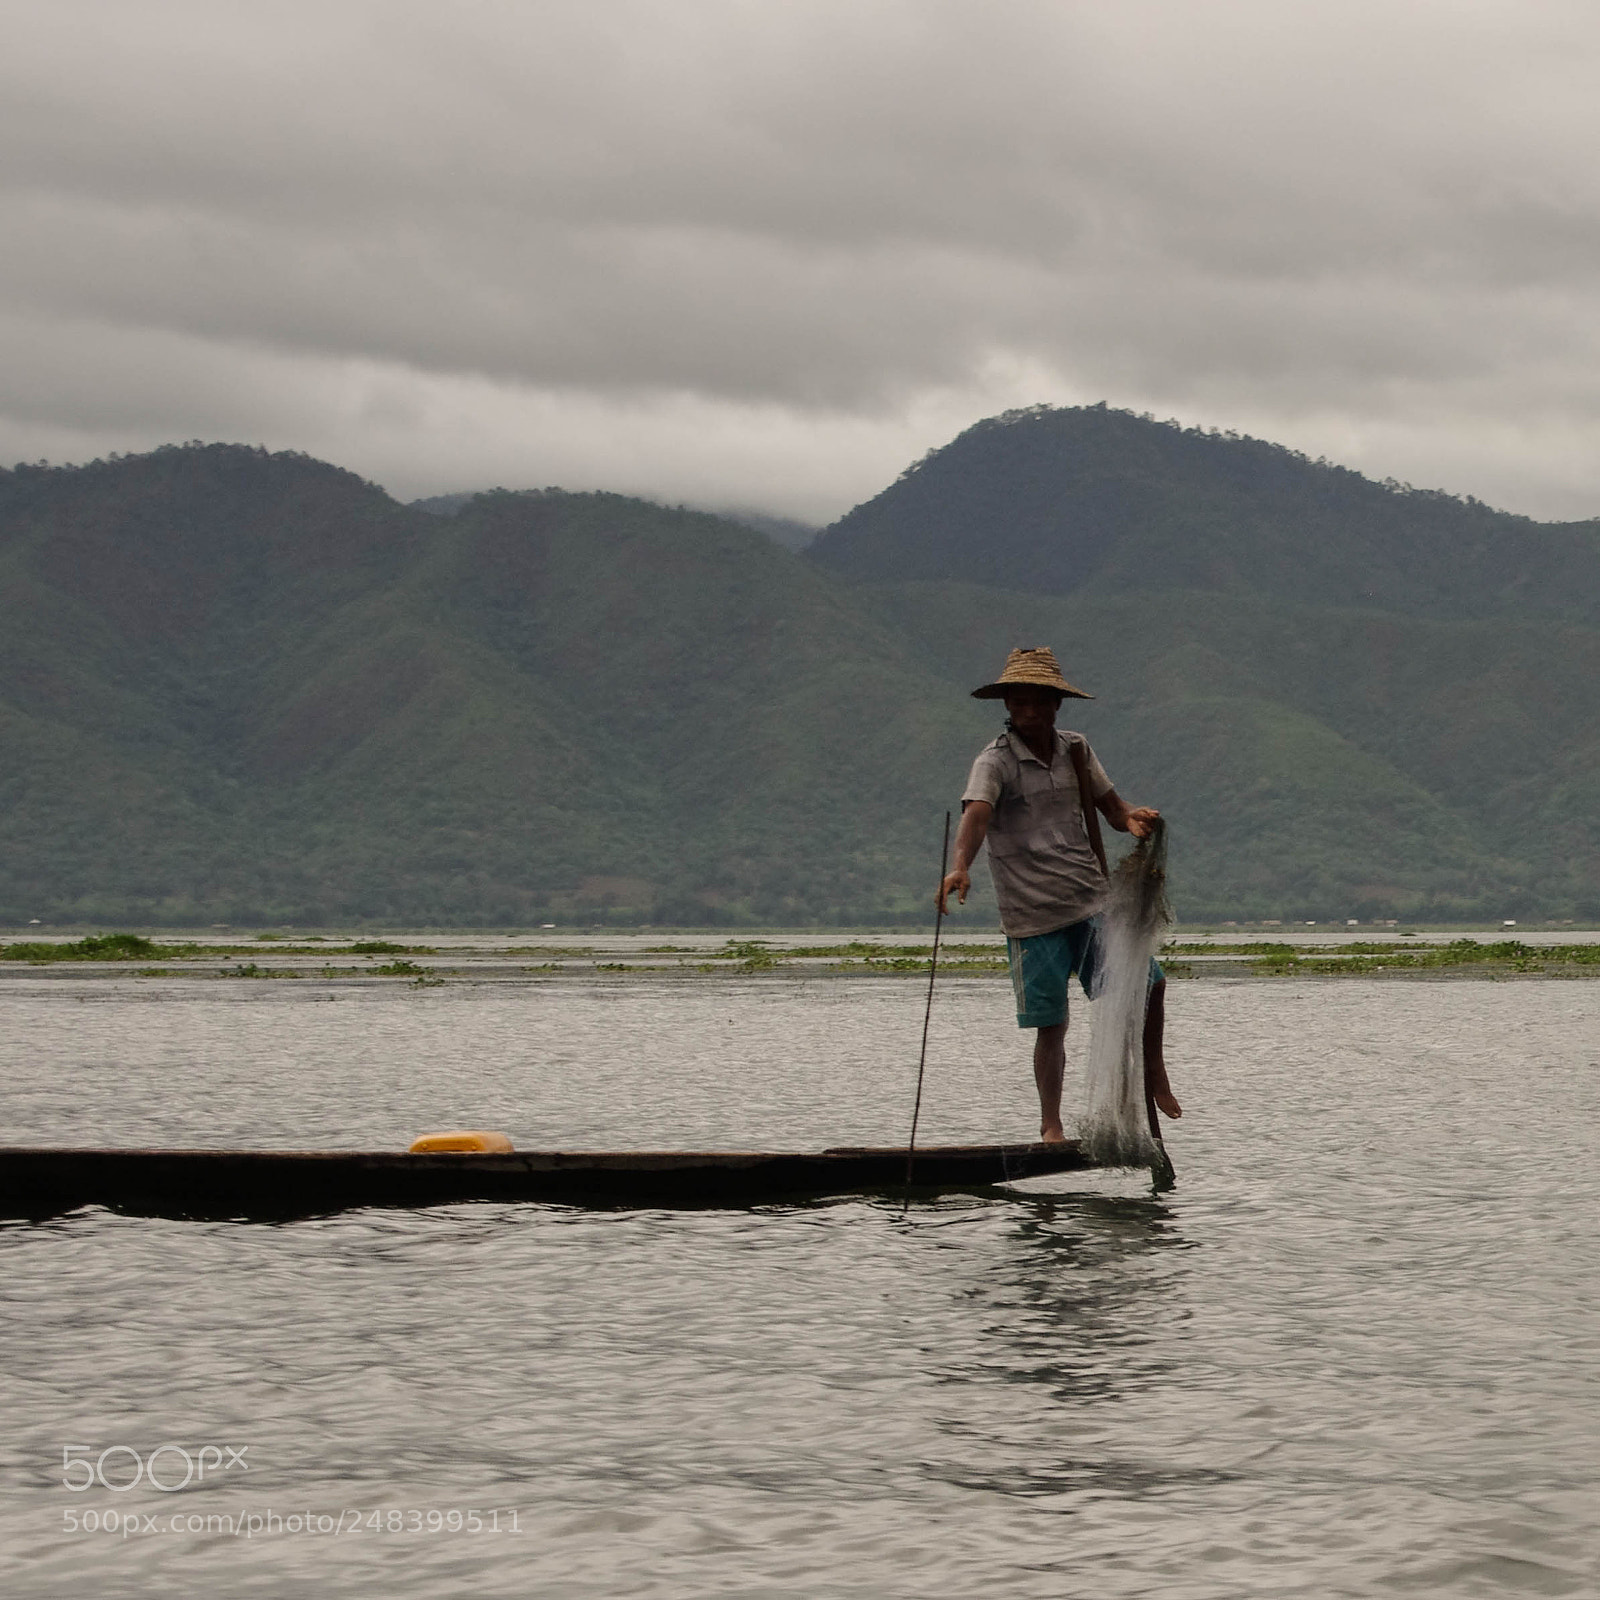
x=463 y=1141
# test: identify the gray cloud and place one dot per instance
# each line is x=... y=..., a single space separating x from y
x=766 y=254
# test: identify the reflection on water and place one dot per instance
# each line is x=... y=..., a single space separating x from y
x=1068 y=1310
x=1081 y=1279
x=1349 y=1355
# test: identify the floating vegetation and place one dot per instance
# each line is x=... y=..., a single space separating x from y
x=787 y=956
x=101 y=947
x=751 y=955
x=1504 y=955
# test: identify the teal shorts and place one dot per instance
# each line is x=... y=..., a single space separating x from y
x=1042 y=969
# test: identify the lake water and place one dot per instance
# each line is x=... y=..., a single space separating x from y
x=1355 y=1352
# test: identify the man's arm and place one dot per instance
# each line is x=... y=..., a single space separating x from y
x=974 y=829
x=1123 y=817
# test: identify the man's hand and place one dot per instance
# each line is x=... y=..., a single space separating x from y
x=975 y=815
x=1137 y=820
x=956 y=883
x=1141 y=821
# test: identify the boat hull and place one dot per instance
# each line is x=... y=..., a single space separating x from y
x=286 y=1183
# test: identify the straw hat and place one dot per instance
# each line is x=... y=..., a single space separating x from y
x=1038 y=666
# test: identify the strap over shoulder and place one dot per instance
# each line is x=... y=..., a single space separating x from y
x=1078 y=750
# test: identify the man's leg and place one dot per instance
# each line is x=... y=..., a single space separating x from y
x=1155 y=1065
x=1041 y=967
x=1049 y=1067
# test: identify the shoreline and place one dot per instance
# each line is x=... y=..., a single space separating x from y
x=389 y=963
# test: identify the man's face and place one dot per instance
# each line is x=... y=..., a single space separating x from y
x=1032 y=709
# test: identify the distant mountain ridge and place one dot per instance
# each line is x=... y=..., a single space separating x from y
x=1344 y=688
x=791 y=533
x=1094 y=500
x=238 y=686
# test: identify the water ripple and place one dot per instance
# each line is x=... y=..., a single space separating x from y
x=1352 y=1354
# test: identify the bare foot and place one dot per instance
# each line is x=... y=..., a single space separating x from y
x=1052 y=1133
x=1155 y=1077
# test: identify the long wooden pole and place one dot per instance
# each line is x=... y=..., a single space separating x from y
x=927 y=1014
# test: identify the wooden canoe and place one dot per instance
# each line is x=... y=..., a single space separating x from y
x=287 y=1183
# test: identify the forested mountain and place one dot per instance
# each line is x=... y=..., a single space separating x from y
x=1343 y=691
x=791 y=534
x=246 y=687
x=1095 y=501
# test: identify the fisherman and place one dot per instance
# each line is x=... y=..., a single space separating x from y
x=1023 y=796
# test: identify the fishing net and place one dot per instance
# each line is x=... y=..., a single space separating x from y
x=1115 y=1128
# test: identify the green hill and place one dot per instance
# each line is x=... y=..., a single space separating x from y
x=1349 y=695
x=240 y=686
x=1096 y=501
x=245 y=687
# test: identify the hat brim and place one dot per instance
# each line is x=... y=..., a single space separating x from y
x=998 y=691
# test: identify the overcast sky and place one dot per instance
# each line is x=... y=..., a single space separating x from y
x=764 y=253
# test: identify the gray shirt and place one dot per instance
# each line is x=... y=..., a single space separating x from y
x=1044 y=869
